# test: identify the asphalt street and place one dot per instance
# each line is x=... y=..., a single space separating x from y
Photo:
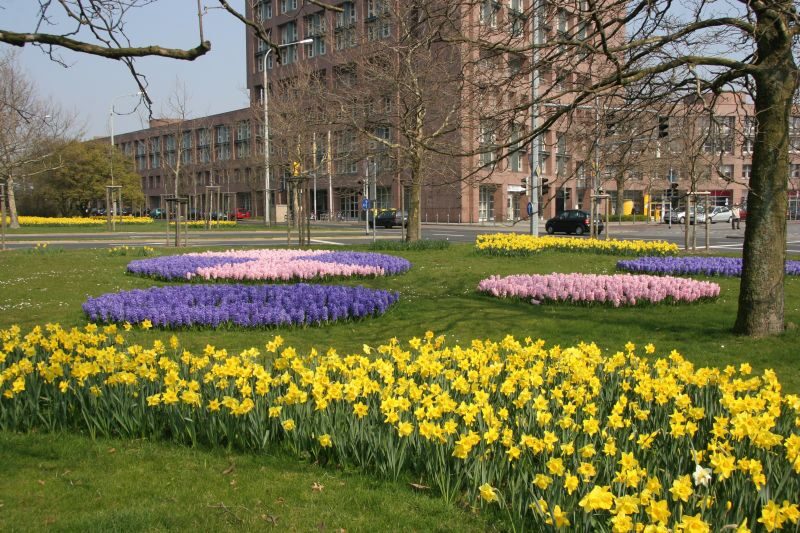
x=721 y=236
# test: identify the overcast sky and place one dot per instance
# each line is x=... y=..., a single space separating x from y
x=214 y=82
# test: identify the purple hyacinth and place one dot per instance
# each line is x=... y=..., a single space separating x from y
x=239 y=305
x=707 y=266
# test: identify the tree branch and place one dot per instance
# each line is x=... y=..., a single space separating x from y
x=21 y=39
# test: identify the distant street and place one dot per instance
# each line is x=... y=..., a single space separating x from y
x=721 y=236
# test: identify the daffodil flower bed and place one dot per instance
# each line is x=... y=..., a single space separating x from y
x=214 y=223
x=79 y=221
x=707 y=266
x=269 y=265
x=515 y=244
x=617 y=290
x=244 y=306
x=574 y=437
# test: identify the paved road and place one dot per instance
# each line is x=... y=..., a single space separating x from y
x=721 y=236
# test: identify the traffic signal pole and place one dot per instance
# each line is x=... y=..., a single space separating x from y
x=533 y=186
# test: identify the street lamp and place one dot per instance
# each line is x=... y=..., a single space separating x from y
x=265 y=93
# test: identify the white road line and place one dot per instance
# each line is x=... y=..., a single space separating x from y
x=328 y=242
x=447 y=235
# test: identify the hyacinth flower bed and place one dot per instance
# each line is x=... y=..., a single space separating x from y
x=617 y=290
x=515 y=244
x=244 y=306
x=707 y=266
x=269 y=265
x=577 y=437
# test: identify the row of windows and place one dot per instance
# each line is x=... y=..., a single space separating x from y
x=201 y=179
x=315 y=26
x=157 y=151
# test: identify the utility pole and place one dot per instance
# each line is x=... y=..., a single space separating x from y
x=533 y=188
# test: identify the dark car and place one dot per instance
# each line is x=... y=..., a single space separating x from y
x=158 y=213
x=390 y=218
x=572 y=221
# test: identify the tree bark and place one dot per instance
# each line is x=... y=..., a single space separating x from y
x=761 y=296
x=414 y=232
x=12 y=203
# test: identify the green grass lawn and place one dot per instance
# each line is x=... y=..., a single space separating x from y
x=70 y=482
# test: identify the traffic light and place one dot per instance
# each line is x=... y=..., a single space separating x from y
x=295 y=168
x=663 y=127
x=545 y=186
x=567 y=194
x=525 y=183
x=611 y=127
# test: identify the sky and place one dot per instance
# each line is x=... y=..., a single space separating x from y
x=214 y=83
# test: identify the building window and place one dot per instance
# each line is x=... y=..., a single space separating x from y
x=383 y=197
x=170 y=150
x=794 y=171
x=747 y=171
x=488 y=14
x=315 y=28
x=486 y=203
x=243 y=139
x=561 y=155
x=289 y=35
x=264 y=10
x=718 y=133
x=517 y=6
x=317 y=48
x=725 y=172
x=516 y=154
x=155 y=152
x=222 y=148
x=378 y=29
x=488 y=140
x=376 y=8
x=204 y=145
x=346 y=18
x=794 y=134
x=186 y=148
x=288 y=5
x=141 y=155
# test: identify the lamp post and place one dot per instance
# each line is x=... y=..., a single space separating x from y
x=111 y=114
x=265 y=98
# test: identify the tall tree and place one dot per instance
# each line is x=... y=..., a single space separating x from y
x=81 y=178
x=29 y=126
x=665 y=51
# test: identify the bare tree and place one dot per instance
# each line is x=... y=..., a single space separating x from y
x=176 y=113
x=28 y=128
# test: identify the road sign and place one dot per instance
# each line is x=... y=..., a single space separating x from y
x=365 y=203
x=530 y=208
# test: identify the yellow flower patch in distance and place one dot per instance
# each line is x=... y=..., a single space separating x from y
x=570 y=435
x=516 y=244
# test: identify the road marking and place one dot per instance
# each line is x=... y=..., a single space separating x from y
x=446 y=235
x=327 y=242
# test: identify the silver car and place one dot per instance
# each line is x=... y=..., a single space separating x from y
x=720 y=213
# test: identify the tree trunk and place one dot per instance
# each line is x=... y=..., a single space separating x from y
x=414 y=232
x=12 y=203
x=620 y=197
x=761 y=296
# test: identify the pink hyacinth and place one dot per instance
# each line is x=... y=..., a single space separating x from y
x=617 y=290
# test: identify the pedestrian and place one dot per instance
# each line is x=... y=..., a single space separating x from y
x=735 y=217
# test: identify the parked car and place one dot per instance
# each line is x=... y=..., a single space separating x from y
x=679 y=216
x=572 y=221
x=720 y=213
x=241 y=213
x=158 y=213
x=390 y=218
x=218 y=215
